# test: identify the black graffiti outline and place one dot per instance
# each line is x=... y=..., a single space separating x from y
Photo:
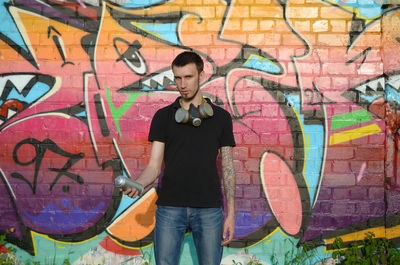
x=57 y=42
x=321 y=99
x=40 y=148
x=132 y=57
x=364 y=53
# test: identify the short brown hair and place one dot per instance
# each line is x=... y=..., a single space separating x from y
x=188 y=57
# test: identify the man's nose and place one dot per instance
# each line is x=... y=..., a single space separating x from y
x=183 y=83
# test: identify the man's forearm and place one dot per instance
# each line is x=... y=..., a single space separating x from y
x=153 y=168
x=148 y=176
x=229 y=178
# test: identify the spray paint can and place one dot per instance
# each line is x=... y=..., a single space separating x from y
x=124 y=183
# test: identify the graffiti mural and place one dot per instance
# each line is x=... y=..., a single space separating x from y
x=312 y=89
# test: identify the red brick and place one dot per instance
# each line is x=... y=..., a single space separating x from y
x=341 y=166
x=375 y=166
x=238 y=165
x=343 y=208
x=270 y=110
x=251 y=192
x=242 y=178
x=372 y=179
x=334 y=180
x=240 y=152
x=239 y=193
x=375 y=193
x=242 y=204
x=325 y=194
x=341 y=193
x=272 y=125
x=255 y=179
x=252 y=165
x=250 y=138
x=369 y=153
x=340 y=153
x=257 y=151
x=259 y=206
x=377 y=139
x=338 y=69
x=269 y=139
x=358 y=193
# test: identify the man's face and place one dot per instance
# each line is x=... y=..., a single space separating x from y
x=187 y=79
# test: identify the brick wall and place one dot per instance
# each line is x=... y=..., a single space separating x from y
x=311 y=85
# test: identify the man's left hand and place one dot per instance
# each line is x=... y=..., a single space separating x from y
x=229 y=230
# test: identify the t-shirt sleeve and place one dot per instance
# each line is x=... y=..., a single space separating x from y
x=157 y=128
x=227 y=138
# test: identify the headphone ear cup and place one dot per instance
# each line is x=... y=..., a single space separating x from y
x=182 y=116
x=206 y=110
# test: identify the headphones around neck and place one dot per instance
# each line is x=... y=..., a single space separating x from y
x=194 y=115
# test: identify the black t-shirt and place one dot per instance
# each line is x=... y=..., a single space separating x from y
x=190 y=176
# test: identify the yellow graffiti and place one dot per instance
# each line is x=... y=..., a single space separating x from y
x=305 y=149
x=278 y=229
x=61 y=244
x=157 y=34
x=379 y=232
x=129 y=247
x=354 y=134
x=259 y=59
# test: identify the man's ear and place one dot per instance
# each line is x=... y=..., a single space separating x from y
x=201 y=75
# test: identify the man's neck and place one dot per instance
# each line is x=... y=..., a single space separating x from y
x=196 y=101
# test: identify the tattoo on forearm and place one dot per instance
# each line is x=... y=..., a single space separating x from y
x=228 y=173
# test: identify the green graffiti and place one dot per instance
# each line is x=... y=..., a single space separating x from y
x=351 y=118
x=117 y=113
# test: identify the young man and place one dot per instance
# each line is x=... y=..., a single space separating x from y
x=188 y=135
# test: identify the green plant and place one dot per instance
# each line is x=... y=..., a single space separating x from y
x=303 y=254
x=7 y=257
x=53 y=262
x=147 y=257
x=370 y=251
x=6 y=253
x=252 y=261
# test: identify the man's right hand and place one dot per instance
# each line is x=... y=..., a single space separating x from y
x=130 y=192
x=151 y=171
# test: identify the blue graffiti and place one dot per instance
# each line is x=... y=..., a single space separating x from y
x=54 y=218
x=364 y=9
x=141 y=3
x=8 y=27
x=245 y=222
x=313 y=149
x=37 y=91
x=259 y=63
x=164 y=31
x=392 y=95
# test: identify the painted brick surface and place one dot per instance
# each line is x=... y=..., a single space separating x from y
x=312 y=88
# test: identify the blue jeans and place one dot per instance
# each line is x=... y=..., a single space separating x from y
x=206 y=225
